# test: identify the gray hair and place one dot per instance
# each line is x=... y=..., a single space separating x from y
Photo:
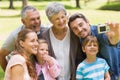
x=54 y=8
x=25 y=9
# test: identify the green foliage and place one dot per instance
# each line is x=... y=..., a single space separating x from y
x=112 y=6
x=1 y=74
x=48 y=0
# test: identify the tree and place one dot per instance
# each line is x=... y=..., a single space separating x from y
x=85 y=2
x=77 y=4
x=11 y=5
x=108 y=1
x=24 y=3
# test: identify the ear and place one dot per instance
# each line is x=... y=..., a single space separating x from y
x=23 y=21
x=21 y=43
x=83 y=49
x=88 y=21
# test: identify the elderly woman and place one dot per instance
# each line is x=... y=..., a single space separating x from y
x=63 y=44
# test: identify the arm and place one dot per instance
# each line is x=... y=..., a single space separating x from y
x=53 y=66
x=54 y=70
x=6 y=48
x=17 y=72
x=114 y=33
x=107 y=76
x=3 y=54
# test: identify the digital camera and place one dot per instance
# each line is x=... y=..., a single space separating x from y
x=102 y=28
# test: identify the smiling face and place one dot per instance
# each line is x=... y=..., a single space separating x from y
x=30 y=44
x=80 y=27
x=42 y=50
x=59 y=20
x=90 y=46
x=32 y=20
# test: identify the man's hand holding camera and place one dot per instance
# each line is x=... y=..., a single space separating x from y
x=114 y=33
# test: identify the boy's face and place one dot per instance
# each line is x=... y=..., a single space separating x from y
x=80 y=27
x=91 y=48
x=43 y=50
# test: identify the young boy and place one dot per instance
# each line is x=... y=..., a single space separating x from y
x=92 y=68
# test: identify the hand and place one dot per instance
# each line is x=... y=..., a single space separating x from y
x=113 y=26
x=114 y=33
x=48 y=59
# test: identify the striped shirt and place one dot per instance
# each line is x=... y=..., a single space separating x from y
x=92 y=71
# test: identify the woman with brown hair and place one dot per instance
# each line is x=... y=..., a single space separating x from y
x=19 y=66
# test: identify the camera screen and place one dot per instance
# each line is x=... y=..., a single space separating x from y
x=102 y=28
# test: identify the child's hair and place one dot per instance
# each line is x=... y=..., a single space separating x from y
x=42 y=41
x=89 y=39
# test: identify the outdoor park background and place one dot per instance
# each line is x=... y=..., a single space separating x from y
x=10 y=18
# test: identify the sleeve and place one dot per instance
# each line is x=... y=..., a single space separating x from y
x=106 y=67
x=55 y=69
x=79 y=75
x=9 y=43
x=16 y=59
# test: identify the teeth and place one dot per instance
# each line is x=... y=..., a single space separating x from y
x=35 y=48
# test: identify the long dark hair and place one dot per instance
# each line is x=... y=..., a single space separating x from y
x=22 y=35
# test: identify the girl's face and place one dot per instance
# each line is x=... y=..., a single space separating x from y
x=59 y=20
x=91 y=48
x=30 y=44
x=42 y=50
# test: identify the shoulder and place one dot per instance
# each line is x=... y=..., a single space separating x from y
x=101 y=60
x=93 y=28
x=43 y=28
x=46 y=32
x=10 y=40
x=17 y=30
x=16 y=59
x=81 y=65
x=13 y=35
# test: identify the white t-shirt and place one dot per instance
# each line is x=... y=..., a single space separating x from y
x=62 y=52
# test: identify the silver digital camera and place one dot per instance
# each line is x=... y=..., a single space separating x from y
x=102 y=28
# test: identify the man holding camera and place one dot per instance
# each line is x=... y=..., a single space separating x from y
x=108 y=39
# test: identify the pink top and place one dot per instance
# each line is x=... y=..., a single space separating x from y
x=16 y=59
x=50 y=73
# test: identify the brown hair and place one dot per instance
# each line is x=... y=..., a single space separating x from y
x=75 y=16
x=91 y=39
x=42 y=41
x=22 y=36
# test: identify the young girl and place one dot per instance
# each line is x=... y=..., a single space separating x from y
x=92 y=68
x=20 y=66
x=46 y=66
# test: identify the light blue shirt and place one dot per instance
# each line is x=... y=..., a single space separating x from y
x=92 y=71
x=111 y=53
